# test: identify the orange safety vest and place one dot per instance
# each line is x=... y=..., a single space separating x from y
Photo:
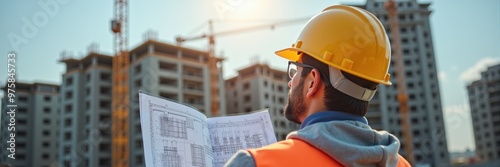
x=293 y=152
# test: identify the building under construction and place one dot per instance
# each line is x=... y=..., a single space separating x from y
x=484 y=101
x=35 y=123
x=85 y=117
x=426 y=121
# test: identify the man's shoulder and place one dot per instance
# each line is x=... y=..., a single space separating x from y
x=293 y=152
x=284 y=147
x=247 y=158
x=281 y=145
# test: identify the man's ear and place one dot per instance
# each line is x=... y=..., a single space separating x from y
x=314 y=83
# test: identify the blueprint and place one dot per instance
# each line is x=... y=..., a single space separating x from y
x=232 y=133
x=175 y=135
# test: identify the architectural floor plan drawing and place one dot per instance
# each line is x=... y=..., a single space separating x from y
x=178 y=135
x=233 y=133
x=175 y=135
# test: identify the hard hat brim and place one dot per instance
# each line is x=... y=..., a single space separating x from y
x=289 y=54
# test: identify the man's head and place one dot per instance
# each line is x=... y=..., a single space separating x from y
x=342 y=54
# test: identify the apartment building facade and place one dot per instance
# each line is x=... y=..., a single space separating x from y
x=85 y=119
x=259 y=87
x=424 y=100
x=35 y=122
x=173 y=72
x=484 y=101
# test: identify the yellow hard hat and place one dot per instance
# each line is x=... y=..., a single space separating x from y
x=346 y=38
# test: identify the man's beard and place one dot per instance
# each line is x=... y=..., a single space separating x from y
x=295 y=106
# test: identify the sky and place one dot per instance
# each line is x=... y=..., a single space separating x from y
x=466 y=38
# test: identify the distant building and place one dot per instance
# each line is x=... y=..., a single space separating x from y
x=484 y=101
x=85 y=119
x=36 y=124
x=424 y=101
x=258 y=87
x=172 y=72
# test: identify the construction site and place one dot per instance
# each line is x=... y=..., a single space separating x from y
x=92 y=117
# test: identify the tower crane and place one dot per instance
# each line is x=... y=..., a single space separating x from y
x=397 y=58
x=212 y=60
x=120 y=110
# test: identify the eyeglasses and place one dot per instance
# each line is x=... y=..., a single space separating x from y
x=292 y=71
x=292 y=68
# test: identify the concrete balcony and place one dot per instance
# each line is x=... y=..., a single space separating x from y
x=192 y=77
x=196 y=92
x=168 y=73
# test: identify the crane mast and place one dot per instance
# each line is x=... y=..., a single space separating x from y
x=214 y=72
x=402 y=96
x=120 y=101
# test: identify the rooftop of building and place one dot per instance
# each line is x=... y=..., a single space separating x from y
x=32 y=87
x=161 y=48
x=73 y=63
x=169 y=49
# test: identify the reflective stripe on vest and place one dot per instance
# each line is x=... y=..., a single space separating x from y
x=293 y=152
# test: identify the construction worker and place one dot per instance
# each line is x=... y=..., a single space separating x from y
x=335 y=65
